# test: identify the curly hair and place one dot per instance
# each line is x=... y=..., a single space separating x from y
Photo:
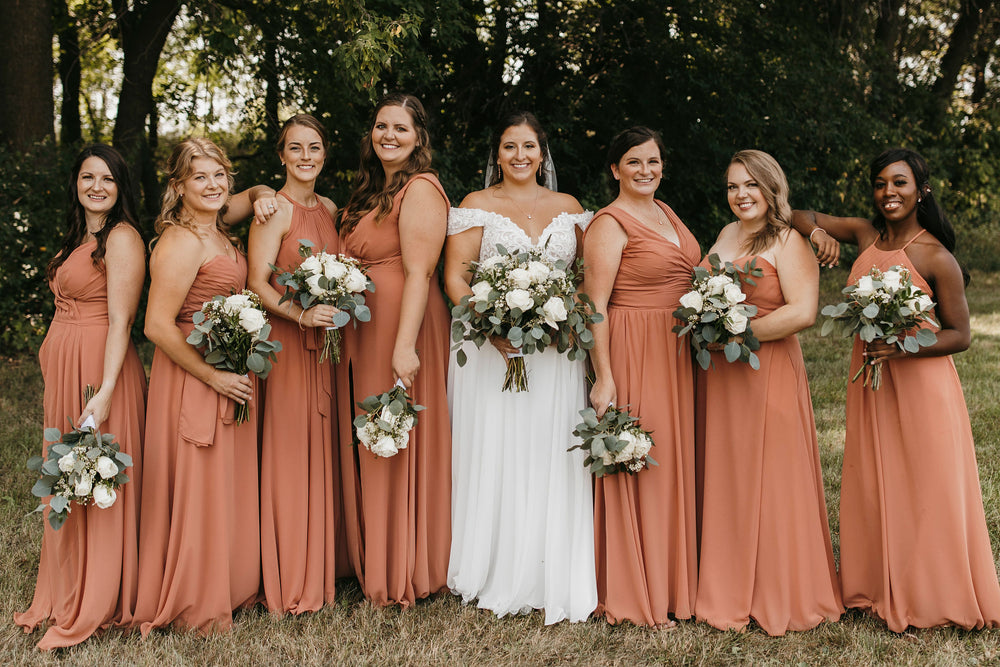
x=179 y=168
x=370 y=191
x=774 y=187
x=123 y=211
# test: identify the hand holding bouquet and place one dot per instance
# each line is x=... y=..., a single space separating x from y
x=83 y=466
x=714 y=313
x=530 y=301
x=334 y=280
x=232 y=334
x=614 y=443
x=884 y=306
x=384 y=429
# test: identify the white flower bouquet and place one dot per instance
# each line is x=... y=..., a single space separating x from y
x=384 y=429
x=614 y=443
x=82 y=465
x=530 y=301
x=231 y=332
x=883 y=306
x=336 y=280
x=714 y=312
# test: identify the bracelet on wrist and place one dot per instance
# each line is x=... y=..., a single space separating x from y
x=817 y=228
x=300 y=320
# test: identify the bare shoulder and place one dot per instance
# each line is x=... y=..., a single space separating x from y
x=422 y=192
x=931 y=257
x=565 y=202
x=478 y=199
x=328 y=204
x=604 y=226
x=125 y=236
x=179 y=244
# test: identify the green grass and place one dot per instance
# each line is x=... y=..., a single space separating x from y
x=442 y=631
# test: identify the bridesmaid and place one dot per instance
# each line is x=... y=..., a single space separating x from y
x=765 y=542
x=639 y=257
x=914 y=548
x=397 y=510
x=199 y=546
x=298 y=499
x=88 y=568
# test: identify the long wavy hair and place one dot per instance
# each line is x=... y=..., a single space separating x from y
x=774 y=187
x=513 y=119
x=179 y=167
x=123 y=211
x=370 y=191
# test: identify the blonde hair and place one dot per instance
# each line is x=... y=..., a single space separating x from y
x=180 y=167
x=774 y=186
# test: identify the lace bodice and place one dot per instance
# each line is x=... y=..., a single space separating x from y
x=559 y=233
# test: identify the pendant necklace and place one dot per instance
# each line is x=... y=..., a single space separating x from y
x=533 y=205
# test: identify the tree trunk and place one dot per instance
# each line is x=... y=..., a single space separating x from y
x=26 y=116
x=960 y=45
x=69 y=74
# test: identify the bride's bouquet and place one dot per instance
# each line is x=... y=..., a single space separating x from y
x=335 y=280
x=385 y=427
x=883 y=306
x=528 y=300
x=82 y=466
x=231 y=332
x=714 y=312
x=614 y=443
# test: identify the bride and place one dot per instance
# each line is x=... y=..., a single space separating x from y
x=522 y=514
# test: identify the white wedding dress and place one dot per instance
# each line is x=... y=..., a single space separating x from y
x=521 y=505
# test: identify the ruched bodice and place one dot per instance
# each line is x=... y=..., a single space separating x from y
x=220 y=275
x=80 y=301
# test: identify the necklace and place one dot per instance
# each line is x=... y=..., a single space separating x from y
x=523 y=212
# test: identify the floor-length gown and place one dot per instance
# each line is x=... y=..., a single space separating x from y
x=87 y=573
x=396 y=509
x=200 y=542
x=645 y=523
x=522 y=507
x=765 y=550
x=299 y=498
x=914 y=547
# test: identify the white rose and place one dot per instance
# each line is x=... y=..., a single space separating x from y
x=865 y=287
x=334 y=270
x=557 y=274
x=104 y=496
x=919 y=303
x=83 y=486
x=312 y=282
x=384 y=446
x=106 y=468
x=67 y=462
x=404 y=440
x=538 y=271
x=733 y=294
x=311 y=264
x=480 y=291
x=520 y=278
x=717 y=284
x=490 y=262
x=252 y=320
x=355 y=281
x=555 y=311
x=520 y=299
x=608 y=458
x=406 y=424
x=736 y=322
x=628 y=451
x=235 y=303
x=387 y=416
x=892 y=280
x=692 y=300
x=367 y=433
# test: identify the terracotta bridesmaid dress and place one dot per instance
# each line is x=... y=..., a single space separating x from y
x=200 y=540
x=914 y=547
x=644 y=524
x=765 y=541
x=397 y=510
x=87 y=574
x=299 y=502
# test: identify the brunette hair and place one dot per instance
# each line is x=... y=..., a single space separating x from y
x=513 y=119
x=304 y=120
x=628 y=139
x=179 y=167
x=774 y=187
x=370 y=189
x=123 y=211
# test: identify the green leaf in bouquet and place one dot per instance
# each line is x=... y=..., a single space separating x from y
x=120 y=479
x=59 y=504
x=870 y=311
x=123 y=458
x=360 y=421
x=417 y=408
x=215 y=357
x=869 y=332
x=306 y=246
x=733 y=351
x=704 y=358
x=35 y=463
x=198 y=317
x=94 y=452
x=43 y=486
x=714 y=261
x=925 y=337
x=461 y=358
x=52 y=434
x=651 y=461
x=911 y=345
x=537 y=333
x=60 y=449
x=255 y=363
x=51 y=467
x=57 y=519
x=383 y=424
x=341 y=318
x=754 y=361
x=396 y=407
x=515 y=335
x=828 y=326
x=586 y=338
x=482 y=306
x=362 y=313
x=710 y=316
x=264 y=332
x=598 y=446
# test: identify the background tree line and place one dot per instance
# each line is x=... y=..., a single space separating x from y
x=823 y=86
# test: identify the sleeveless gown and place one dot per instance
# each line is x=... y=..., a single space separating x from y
x=88 y=568
x=522 y=508
x=299 y=499
x=765 y=542
x=644 y=524
x=914 y=547
x=200 y=540
x=396 y=509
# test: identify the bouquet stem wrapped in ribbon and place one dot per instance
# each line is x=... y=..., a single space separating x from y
x=335 y=280
x=531 y=302
x=231 y=333
x=385 y=427
x=883 y=306
x=614 y=443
